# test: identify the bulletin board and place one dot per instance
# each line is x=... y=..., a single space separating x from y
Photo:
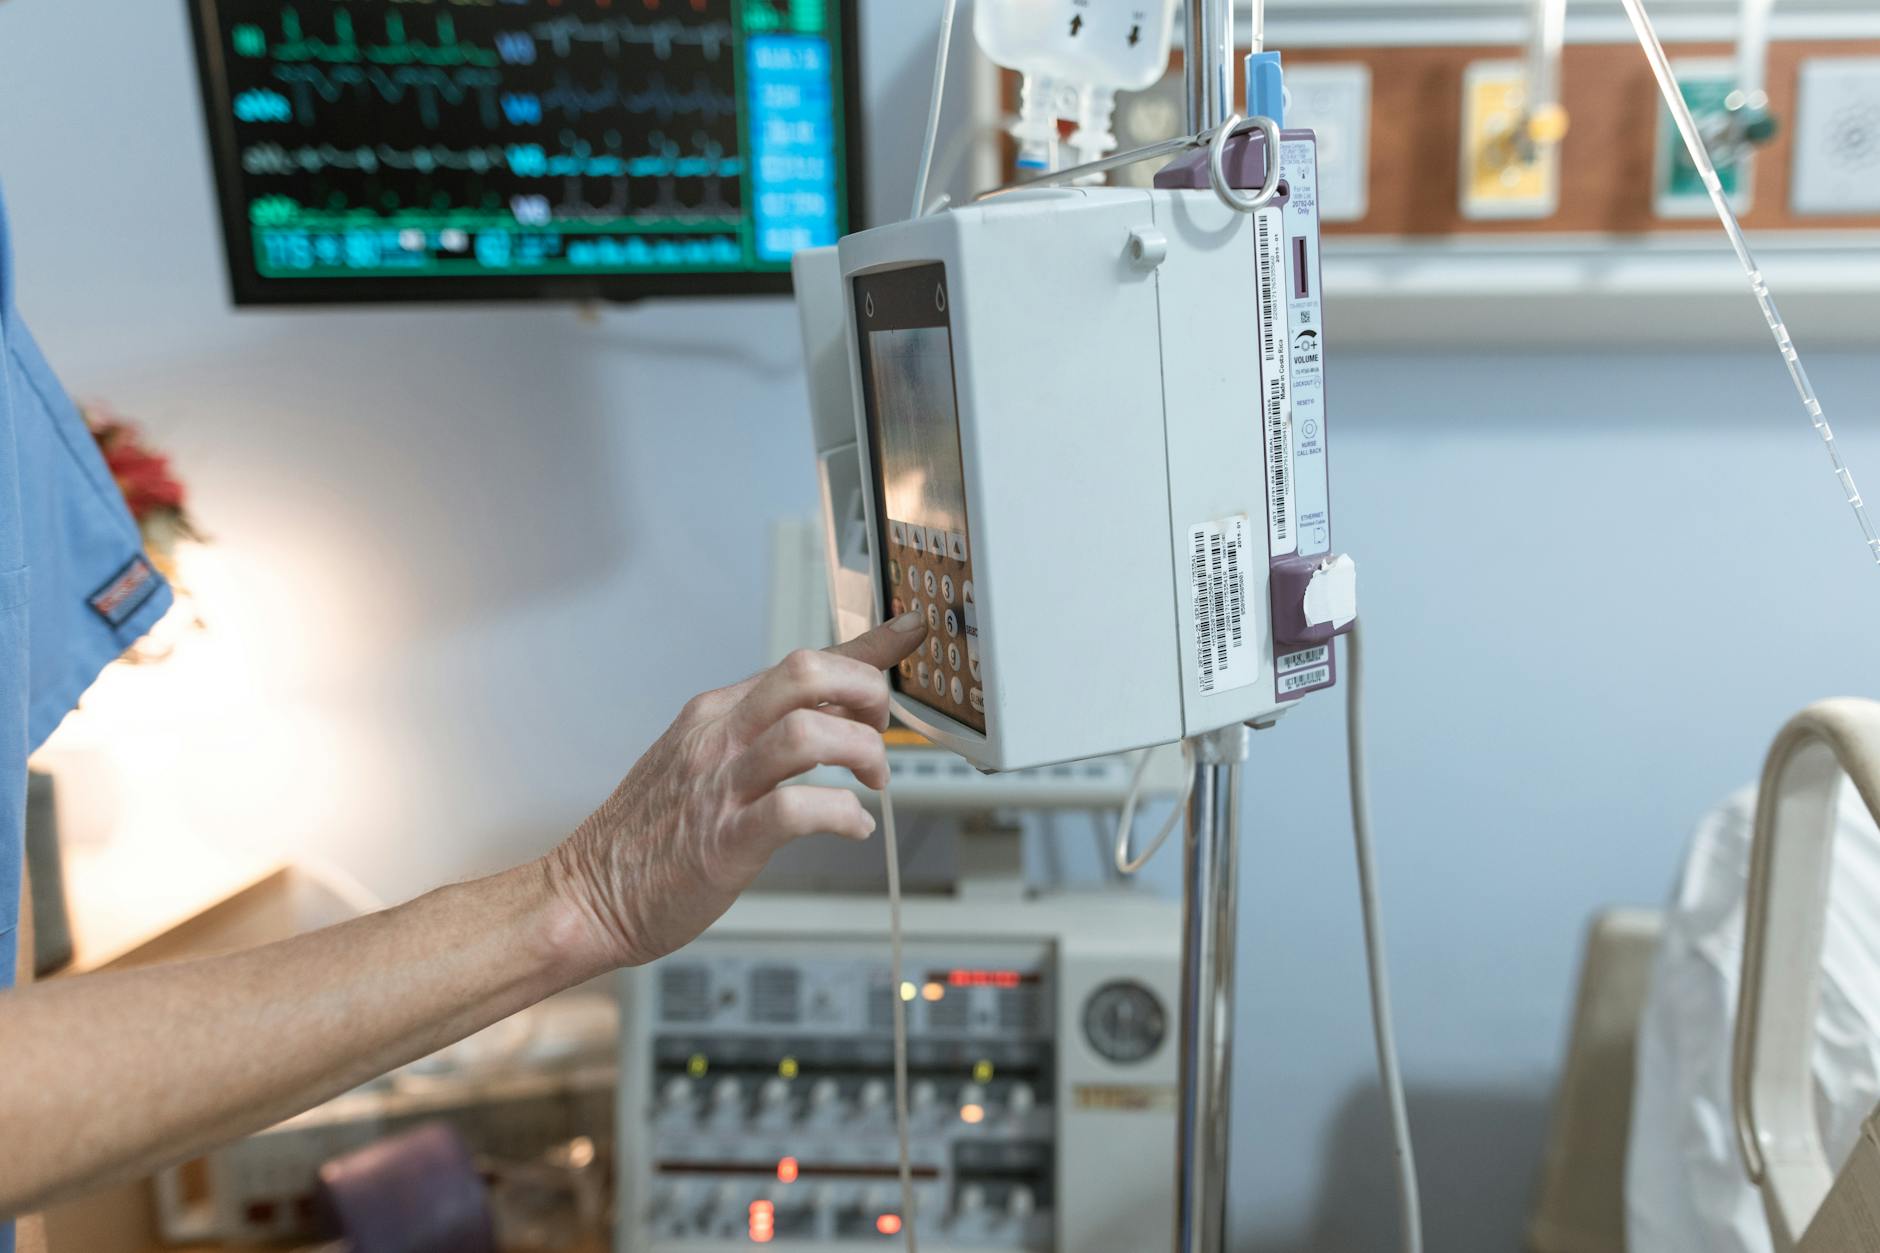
x=1607 y=158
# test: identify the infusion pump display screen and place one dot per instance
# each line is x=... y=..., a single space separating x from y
x=906 y=342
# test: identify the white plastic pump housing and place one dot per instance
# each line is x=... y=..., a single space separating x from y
x=1038 y=423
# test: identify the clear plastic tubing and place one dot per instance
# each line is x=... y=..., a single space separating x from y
x=1693 y=141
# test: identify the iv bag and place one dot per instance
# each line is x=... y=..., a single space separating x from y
x=1120 y=44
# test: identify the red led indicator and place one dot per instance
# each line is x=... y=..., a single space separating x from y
x=888 y=1224
x=763 y=1222
x=786 y=1170
x=984 y=978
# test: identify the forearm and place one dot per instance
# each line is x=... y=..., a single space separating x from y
x=115 y=1074
x=111 y=1075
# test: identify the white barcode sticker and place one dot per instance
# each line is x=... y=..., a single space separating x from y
x=1301 y=659
x=1218 y=553
x=1269 y=237
x=1300 y=680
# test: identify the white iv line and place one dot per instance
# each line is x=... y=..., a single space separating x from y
x=1700 y=157
x=900 y=1017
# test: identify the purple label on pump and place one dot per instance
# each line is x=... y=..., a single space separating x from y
x=1291 y=394
x=1303 y=657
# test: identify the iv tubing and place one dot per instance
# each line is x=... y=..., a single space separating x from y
x=1408 y=1201
x=1694 y=144
x=900 y=1016
x=938 y=97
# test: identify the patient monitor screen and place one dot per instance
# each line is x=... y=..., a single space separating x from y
x=920 y=486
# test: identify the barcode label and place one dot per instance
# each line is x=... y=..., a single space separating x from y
x=1300 y=680
x=1269 y=238
x=1301 y=659
x=1217 y=579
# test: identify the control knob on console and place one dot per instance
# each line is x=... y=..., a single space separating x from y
x=874 y=1103
x=668 y=1212
x=974 y=1107
x=969 y=1218
x=675 y=1102
x=773 y=1104
x=923 y=1102
x=727 y=1102
x=825 y=1103
x=725 y=1217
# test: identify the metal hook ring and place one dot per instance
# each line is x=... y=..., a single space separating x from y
x=1217 y=174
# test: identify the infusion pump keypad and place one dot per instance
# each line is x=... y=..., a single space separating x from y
x=931 y=573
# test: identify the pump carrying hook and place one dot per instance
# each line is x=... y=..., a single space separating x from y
x=1217 y=174
x=1216 y=138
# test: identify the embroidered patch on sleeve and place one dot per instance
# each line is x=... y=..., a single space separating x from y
x=125 y=592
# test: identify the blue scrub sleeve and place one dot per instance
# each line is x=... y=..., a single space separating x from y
x=75 y=587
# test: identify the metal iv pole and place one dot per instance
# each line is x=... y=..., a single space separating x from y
x=1209 y=890
x=1209 y=865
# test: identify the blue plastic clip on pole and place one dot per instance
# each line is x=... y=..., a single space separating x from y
x=1266 y=96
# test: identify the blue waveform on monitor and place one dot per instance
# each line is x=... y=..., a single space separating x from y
x=656 y=99
x=276 y=159
x=638 y=253
x=516 y=47
x=258 y=104
x=429 y=85
x=615 y=33
x=522 y=108
x=581 y=161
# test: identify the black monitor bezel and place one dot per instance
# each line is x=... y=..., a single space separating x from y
x=248 y=288
x=898 y=298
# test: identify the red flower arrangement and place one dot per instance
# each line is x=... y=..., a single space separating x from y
x=155 y=495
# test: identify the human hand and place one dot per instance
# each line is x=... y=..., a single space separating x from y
x=701 y=812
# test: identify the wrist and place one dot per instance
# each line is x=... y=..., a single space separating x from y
x=575 y=931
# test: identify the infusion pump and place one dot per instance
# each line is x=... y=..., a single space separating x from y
x=757 y=1070
x=1082 y=432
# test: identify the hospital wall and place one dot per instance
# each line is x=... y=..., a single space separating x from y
x=468 y=562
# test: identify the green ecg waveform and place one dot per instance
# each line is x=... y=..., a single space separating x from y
x=343 y=47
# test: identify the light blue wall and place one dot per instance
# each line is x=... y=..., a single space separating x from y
x=1594 y=587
